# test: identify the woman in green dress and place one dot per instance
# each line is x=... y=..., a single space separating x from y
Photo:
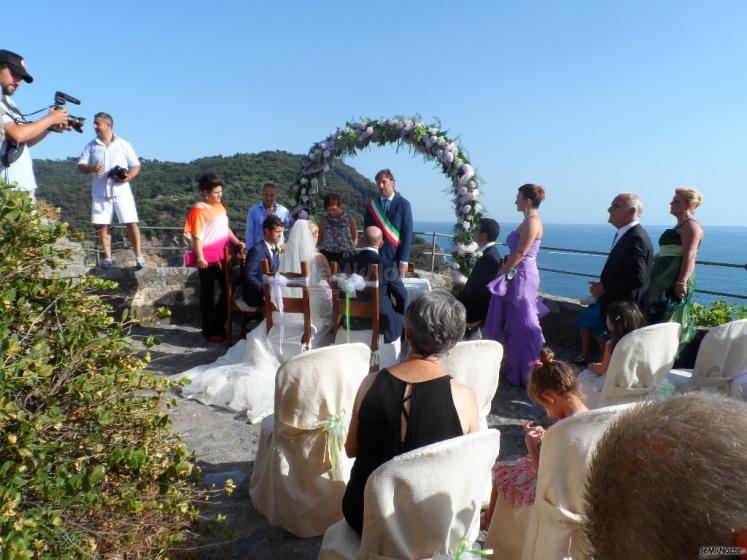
x=673 y=277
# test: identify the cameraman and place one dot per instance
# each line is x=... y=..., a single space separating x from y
x=15 y=158
x=114 y=164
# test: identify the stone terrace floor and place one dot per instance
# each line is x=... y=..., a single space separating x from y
x=225 y=445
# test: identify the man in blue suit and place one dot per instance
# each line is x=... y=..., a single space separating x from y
x=475 y=295
x=393 y=293
x=391 y=213
x=268 y=248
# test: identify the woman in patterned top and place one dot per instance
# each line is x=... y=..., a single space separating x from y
x=338 y=233
x=207 y=229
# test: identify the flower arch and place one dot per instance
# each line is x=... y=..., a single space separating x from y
x=426 y=139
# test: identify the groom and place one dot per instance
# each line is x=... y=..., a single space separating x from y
x=272 y=229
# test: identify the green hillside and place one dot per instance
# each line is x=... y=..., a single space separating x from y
x=164 y=191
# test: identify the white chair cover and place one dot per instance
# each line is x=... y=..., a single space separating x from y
x=389 y=352
x=415 y=288
x=739 y=387
x=556 y=522
x=721 y=356
x=293 y=482
x=476 y=363
x=507 y=530
x=420 y=503
x=640 y=361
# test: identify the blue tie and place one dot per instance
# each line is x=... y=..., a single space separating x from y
x=385 y=203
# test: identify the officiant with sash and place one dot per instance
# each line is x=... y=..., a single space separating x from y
x=391 y=213
x=268 y=248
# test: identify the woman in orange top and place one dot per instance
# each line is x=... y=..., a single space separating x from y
x=207 y=229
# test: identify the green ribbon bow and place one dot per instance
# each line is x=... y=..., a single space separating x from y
x=462 y=549
x=336 y=430
x=350 y=284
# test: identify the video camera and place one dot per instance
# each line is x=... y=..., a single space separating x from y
x=118 y=173
x=73 y=122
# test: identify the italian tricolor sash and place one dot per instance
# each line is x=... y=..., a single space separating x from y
x=385 y=225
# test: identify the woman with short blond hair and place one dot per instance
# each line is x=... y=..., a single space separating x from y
x=673 y=277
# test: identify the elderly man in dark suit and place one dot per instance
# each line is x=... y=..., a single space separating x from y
x=393 y=293
x=268 y=248
x=475 y=295
x=626 y=273
x=391 y=213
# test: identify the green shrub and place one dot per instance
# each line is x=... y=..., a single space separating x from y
x=717 y=313
x=88 y=466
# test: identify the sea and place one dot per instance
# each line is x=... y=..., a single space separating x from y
x=721 y=244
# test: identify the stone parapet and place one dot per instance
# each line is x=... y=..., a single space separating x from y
x=177 y=288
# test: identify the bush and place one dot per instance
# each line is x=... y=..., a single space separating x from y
x=717 y=313
x=88 y=466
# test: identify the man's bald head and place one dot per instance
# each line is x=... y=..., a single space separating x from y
x=373 y=237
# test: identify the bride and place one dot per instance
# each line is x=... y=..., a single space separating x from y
x=243 y=379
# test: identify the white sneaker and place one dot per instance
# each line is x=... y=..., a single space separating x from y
x=106 y=263
x=140 y=260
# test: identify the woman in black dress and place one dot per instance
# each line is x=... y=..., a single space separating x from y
x=411 y=404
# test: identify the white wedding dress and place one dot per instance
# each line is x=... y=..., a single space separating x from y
x=243 y=379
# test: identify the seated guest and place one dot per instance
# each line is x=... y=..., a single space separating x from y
x=667 y=481
x=415 y=403
x=393 y=293
x=338 y=233
x=475 y=295
x=552 y=384
x=623 y=317
x=268 y=248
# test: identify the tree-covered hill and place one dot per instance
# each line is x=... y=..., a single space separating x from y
x=165 y=190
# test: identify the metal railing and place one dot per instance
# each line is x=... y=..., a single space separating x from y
x=435 y=252
x=434 y=235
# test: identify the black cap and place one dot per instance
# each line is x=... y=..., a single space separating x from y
x=16 y=64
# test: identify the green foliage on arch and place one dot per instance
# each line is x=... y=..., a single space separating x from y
x=425 y=139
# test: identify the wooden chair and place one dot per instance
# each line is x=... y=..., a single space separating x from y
x=364 y=308
x=290 y=304
x=234 y=301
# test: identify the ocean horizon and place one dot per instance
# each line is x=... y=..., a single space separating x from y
x=721 y=244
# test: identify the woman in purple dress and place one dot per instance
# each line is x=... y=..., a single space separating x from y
x=515 y=308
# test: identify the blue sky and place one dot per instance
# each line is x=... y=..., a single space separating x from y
x=586 y=98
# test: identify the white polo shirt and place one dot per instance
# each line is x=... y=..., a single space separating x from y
x=118 y=152
x=20 y=171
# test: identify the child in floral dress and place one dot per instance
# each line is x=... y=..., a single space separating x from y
x=552 y=383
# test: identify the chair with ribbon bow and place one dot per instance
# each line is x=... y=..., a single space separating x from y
x=234 y=301
x=722 y=356
x=553 y=526
x=276 y=300
x=350 y=306
x=301 y=469
x=420 y=503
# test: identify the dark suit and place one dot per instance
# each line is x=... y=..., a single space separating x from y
x=475 y=295
x=626 y=273
x=393 y=293
x=400 y=215
x=253 y=292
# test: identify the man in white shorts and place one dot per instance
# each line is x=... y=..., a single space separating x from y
x=114 y=164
